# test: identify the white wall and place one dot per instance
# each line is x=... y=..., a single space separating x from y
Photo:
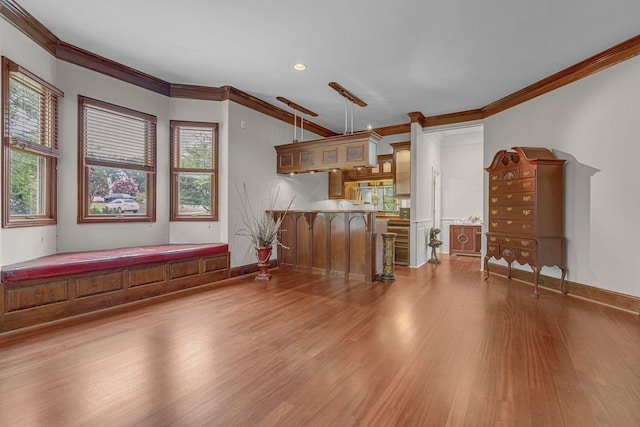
x=212 y=112
x=462 y=181
x=425 y=158
x=252 y=161
x=19 y=244
x=593 y=124
x=74 y=81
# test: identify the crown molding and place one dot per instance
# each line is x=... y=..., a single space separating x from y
x=83 y=58
x=31 y=27
x=264 y=107
x=459 y=117
x=416 y=117
x=205 y=93
x=393 y=129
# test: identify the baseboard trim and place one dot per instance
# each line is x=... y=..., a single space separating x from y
x=613 y=299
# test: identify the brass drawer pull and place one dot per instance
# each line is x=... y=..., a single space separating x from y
x=509 y=209
x=509 y=196
x=507 y=239
x=524 y=243
x=526 y=212
x=509 y=222
x=526 y=198
x=525 y=254
x=494 y=199
x=494 y=211
x=494 y=187
x=493 y=239
x=526 y=184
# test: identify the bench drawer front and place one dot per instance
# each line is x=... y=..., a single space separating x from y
x=184 y=269
x=147 y=276
x=99 y=284
x=215 y=263
x=36 y=296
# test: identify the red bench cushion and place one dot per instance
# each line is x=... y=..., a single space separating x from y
x=82 y=262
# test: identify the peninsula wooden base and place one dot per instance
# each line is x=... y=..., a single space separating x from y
x=333 y=243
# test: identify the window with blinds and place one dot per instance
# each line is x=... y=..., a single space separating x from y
x=29 y=147
x=118 y=150
x=194 y=169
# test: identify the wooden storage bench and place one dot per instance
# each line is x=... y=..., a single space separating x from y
x=68 y=284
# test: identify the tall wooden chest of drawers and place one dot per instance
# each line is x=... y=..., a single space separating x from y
x=525 y=210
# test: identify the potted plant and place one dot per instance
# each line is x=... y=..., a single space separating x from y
x=261 y=228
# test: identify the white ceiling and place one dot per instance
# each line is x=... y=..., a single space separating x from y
x=399 y=56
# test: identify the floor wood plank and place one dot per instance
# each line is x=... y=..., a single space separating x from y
x=440 y=346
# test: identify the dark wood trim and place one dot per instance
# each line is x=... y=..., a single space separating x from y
x=83 y=58
x=17 y=16
x=447 y=119
x=393 y=129
x=261 y=106
x=614 y=55
x=205 y=93
x=591 y=293
x=242 y=270
x=416 y=117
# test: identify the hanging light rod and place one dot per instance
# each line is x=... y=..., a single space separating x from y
x=297 y=107
x=351 y=97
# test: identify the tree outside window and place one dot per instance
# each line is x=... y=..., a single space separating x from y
x=118 y=163
x=194 y=168
x=29 y=147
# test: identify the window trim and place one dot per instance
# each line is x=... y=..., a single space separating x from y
x=83 y=169
x=174 y=171
x=48 y=150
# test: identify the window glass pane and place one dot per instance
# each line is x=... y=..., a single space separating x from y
x=115 y=191
x=196 y=148
x=194 y=194
x=27 y=182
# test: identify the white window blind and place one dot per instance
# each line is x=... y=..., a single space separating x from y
x=193 y=147
x=32 y=121
x=117 y=137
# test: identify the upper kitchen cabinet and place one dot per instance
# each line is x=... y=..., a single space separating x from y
x=402 y=168
x=341 y=152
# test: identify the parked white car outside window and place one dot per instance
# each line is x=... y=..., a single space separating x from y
x=124 y=205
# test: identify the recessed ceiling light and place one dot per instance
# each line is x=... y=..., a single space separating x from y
x=300 y=66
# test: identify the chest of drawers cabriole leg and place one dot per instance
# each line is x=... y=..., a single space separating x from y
x=525 y=211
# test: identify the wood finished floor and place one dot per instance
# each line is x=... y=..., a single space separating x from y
x=439 y=346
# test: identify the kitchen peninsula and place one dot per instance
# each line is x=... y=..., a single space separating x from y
x=339 y=243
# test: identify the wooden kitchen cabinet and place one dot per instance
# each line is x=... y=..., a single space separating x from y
x=525 y=210
x=336 y=184
x=402 y=168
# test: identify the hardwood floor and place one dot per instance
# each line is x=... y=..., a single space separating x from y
x=439 y=346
